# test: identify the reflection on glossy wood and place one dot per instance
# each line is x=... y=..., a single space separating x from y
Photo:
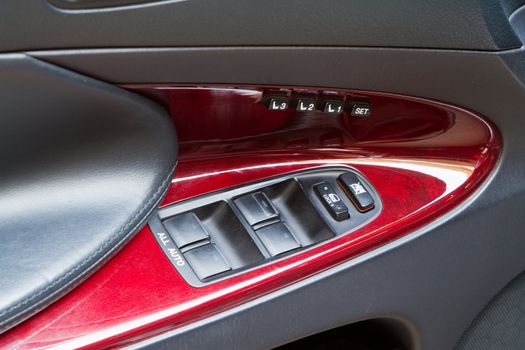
x=424 y=158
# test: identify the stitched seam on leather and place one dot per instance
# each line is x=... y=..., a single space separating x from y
x=96 y=252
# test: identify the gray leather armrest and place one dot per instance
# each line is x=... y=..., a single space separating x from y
x=82 y=165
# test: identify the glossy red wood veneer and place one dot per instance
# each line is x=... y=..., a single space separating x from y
x=424 y=159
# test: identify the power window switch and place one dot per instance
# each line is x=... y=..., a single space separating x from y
x=332 y=201
x=185 y=229
x=256 y=208
x=277 y=238
x=206 y=261
x=357 y=191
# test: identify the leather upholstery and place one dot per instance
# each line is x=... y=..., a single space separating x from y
x=82 y=165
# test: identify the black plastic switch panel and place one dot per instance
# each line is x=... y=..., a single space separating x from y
x=332 y=201
x=256 y=208
x=361 y=109
x=333 y=107
x=277 y=238
x=306 y=105
x=357 y=191
x=206 y=261
x=222 y=234
x=185 y=229
x=278 y=103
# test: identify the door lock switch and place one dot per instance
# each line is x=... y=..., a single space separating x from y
x=256 y=208
x=357 y=191
x=332 y=201
x=185 y=229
